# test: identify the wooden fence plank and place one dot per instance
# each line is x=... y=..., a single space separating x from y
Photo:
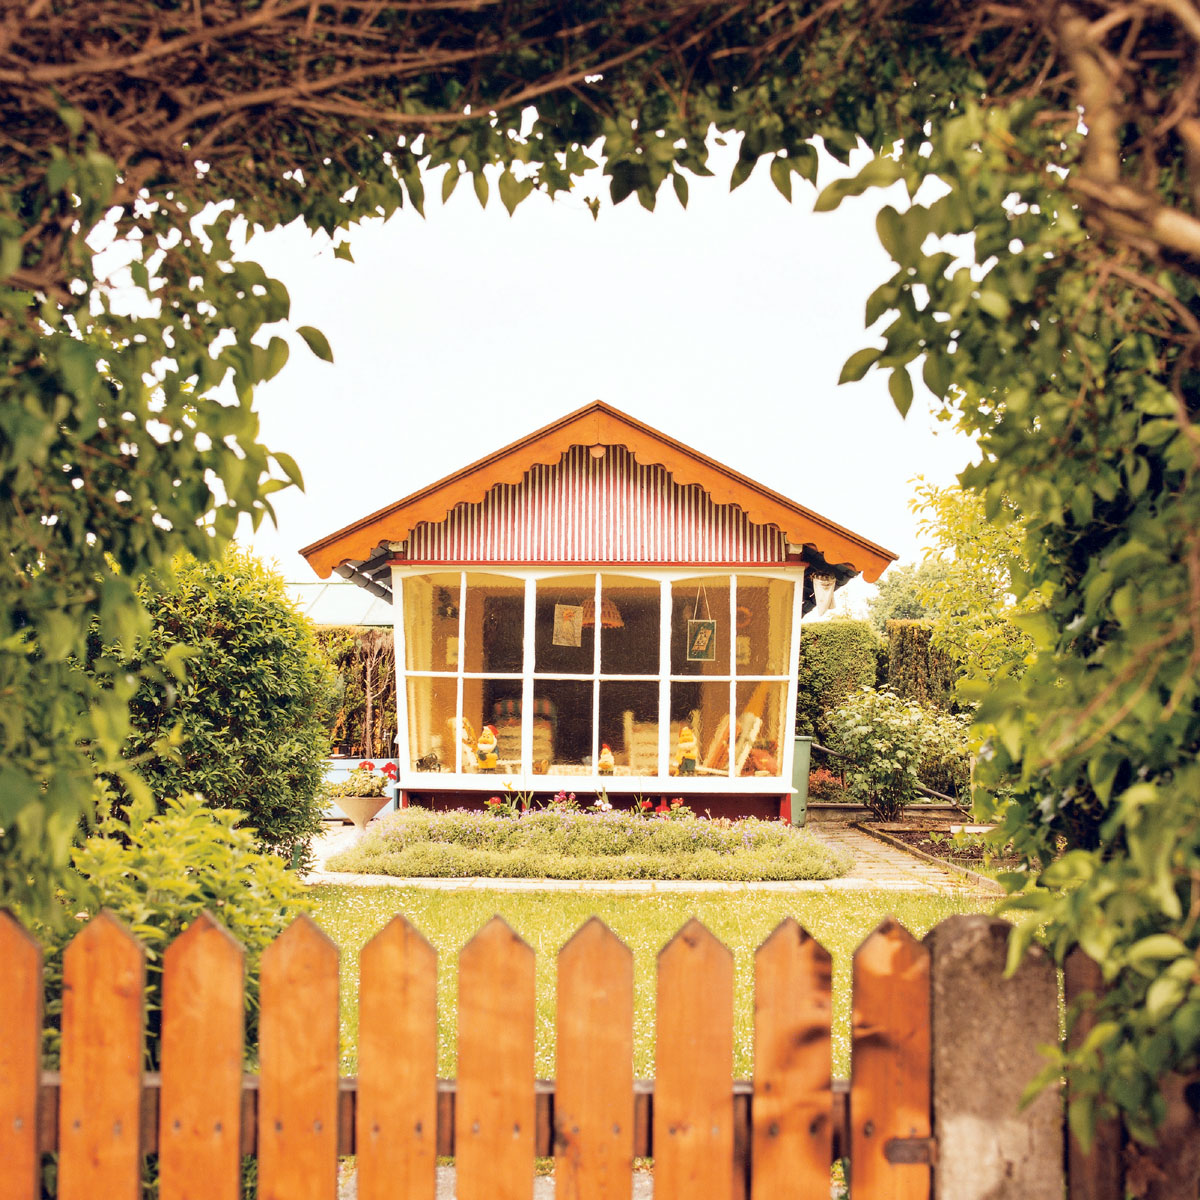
x=203 y=1034
x=1098 y=1175
x=397 y=1065
x=298 y=1049
x=693 y=1101
x=792 y=1135
x=104 y=980
x=20 y=1059
x=988 y=1032
x=594 y=1087
x=494 y=1113
x=890 y=1063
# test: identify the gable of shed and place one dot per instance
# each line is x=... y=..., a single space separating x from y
x=589 y=508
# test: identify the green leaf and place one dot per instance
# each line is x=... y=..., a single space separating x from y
x=781 y=177
x=901 y=389
x=342 y=250
x=680 y=184
x=316 y=342
x=481 y=188
x=510 y=191
x=858 y=364
x=450 y=182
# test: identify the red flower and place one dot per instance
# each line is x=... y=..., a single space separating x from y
x=644 y=805
x=366 y=766
x=390 y=770
x=495 y=801
x=663 y=808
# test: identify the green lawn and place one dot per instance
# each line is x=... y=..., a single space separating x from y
x=839 y=920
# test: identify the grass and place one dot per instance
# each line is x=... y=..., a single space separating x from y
x=548 y=844
x=840 y=921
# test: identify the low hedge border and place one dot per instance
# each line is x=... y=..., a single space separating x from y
x=576 y=845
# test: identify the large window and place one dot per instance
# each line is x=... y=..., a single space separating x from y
x=597 y=674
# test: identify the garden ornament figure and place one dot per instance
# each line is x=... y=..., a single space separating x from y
x=486 y=748
x=686 y=752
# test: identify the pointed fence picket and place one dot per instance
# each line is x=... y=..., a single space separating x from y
x=298 y=1076
x=396 y=1120
x=793 y=1078
x=20 y=1059
x=99 y=1125
x=496 y=1112
x=693 y=1102
x=594 y=1061
x=199 y=1118
x=710 y=1137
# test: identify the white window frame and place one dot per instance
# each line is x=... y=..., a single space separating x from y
x=524 y=779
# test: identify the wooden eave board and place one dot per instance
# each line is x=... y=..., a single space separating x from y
x=597 y=424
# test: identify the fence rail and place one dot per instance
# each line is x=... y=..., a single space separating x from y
x=942 y=1047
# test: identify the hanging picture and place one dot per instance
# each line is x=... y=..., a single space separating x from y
x=702 y=641
x=568 y=625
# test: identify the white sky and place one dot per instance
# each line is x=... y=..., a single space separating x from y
x=724 y=325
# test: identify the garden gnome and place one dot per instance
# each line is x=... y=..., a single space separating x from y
x=606 y=760
x=686 y=753
x=486 y=748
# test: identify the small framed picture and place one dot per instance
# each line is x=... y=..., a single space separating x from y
x=702 y=641
x=568 y=625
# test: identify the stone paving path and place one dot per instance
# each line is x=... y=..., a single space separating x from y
x=877 y=867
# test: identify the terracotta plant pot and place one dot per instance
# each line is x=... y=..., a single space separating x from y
x=360 y=809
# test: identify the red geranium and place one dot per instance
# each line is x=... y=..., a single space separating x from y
x=390 y=770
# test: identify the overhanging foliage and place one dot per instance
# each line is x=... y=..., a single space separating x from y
x=1068 y=346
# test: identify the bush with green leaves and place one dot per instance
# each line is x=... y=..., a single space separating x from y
x=158 y=871
x=883 y=737
x=558 y=843
x=836 y=659
x=946 y=753
x=244 y=722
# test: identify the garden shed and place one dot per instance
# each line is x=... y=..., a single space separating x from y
x=597 y=605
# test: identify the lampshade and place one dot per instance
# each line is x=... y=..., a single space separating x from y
x=610 y=615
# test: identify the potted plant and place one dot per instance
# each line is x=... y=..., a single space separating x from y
x=363 y=792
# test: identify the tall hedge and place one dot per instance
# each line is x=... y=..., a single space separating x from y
x=363 y=717
x=244 y=724
x=837 y=658
x=916 y=669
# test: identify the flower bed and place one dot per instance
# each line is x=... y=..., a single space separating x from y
x=549 y=844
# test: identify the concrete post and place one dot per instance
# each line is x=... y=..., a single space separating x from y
x=986 y=1031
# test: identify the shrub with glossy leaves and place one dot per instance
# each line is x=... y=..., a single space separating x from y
x=245 y=724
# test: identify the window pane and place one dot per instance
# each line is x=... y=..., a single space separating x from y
x=764 y=626
x=567 y=705
x=629 y=616
x=431 y=724
x=495 y=625
x=700 y=626
x=431 y=622
x=564 y=645
x=703 y=708
x=760 y=713
x=629 y=726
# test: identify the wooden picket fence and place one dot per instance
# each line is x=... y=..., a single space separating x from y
x=711 y=1138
